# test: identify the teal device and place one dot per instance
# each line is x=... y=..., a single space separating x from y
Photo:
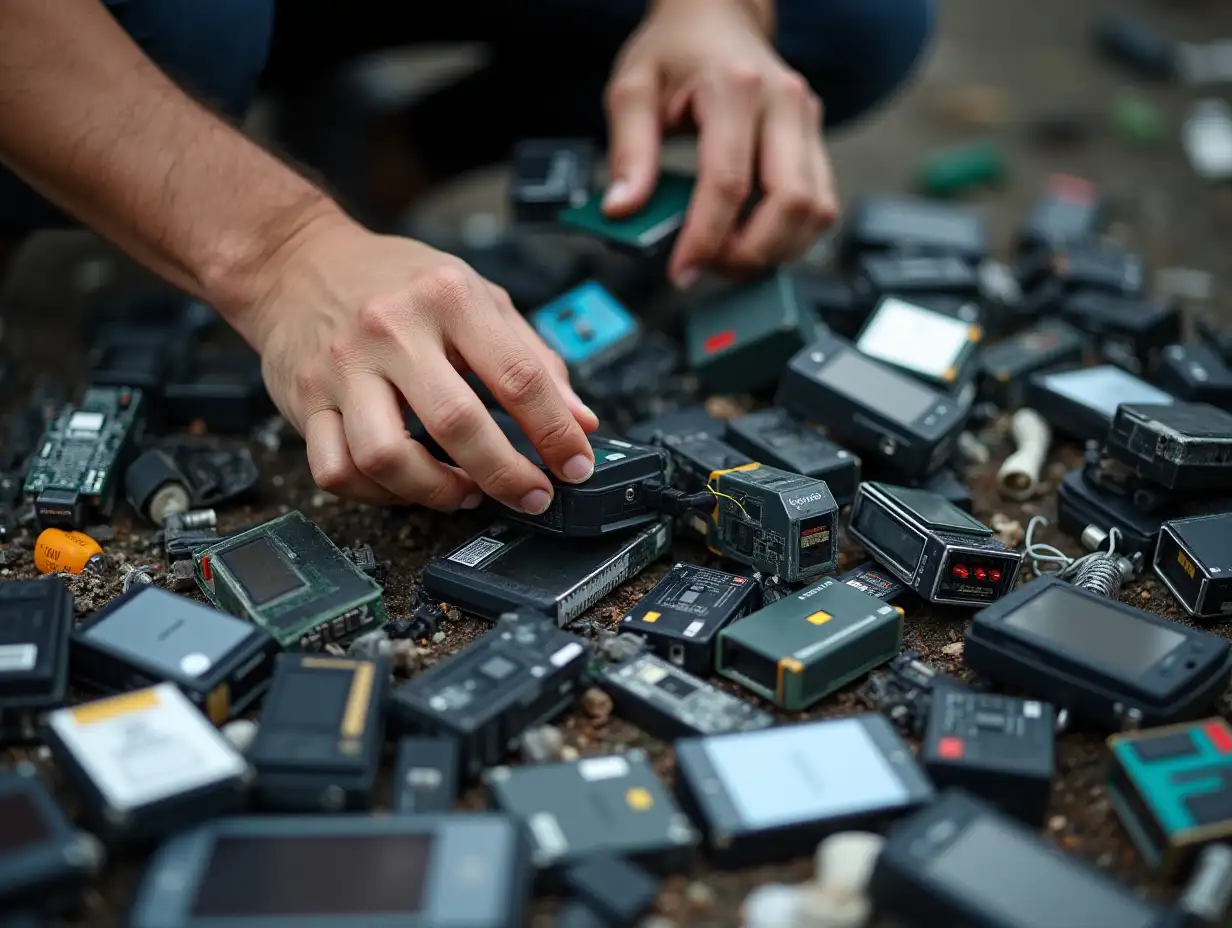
x=587 y=327
x=1172 y=789
x=649 y=231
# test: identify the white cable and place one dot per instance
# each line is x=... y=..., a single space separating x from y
x=1039 y=552
x=1019 y=476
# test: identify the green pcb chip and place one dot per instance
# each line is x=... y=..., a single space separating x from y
x=650 y=230
x=287 y=577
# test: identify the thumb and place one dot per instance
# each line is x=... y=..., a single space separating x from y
x=633 y=117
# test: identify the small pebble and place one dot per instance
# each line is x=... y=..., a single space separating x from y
x=1144 y=595
x=1057 y=823
x=542 y=744
x=241 y=733
x=596 y=703
x=321 y=498
x=438 y=638
x=954 y=649
x=699 y=898
x=278 y=480
x=569 y=753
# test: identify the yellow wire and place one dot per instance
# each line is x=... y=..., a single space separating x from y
x=739 y=506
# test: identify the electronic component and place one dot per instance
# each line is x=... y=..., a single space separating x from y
x=147 y=764
x=871 y=407
x=903 y=692
x=961 y=862
x=221 y=388
x=509 y=567
x=1079 y=266
x=1193 y=559
x=644 y=383
x=908 y=276
x=46 y=862
x=936 y=347
x=738 y=341
x=1068 y=211
x=1081 y=403
x=778 y=523
x=1082 y=502
x=833 y=299
x=598 y=805
x=682 y=615
x=340 y=871
x=770 y=795
x=1185 y=447
x=914 y=226
x=613 y=888
x=521 y=674
x=943 y=553
x=1206 y=898
x=1128 y=332
x=322 y=729
x=587 y=327
x=155 y=486
x=550 y=175
x=1172 y=789
x=217 y=472
x=871 y=579
x=669 y=703
x=1196 y=372
x=363 y=557
x=800 y=649
x=287 y=577
x=772 y=436
x=997 y=747
x=36 y=619
x=1106 y=662
x=148 y=636
x=1006 y=366
x=427 y=774
x=58 y=551
x=649 y=231
x=73 y=478
x=695 y=456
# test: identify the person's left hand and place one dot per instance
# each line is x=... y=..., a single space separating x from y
x=710 y=60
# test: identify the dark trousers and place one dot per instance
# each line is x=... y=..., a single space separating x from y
x=549 y=61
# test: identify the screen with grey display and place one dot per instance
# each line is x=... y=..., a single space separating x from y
x=261 y=570
x=1105 y=388
x=1094 y=630
x=865 y=381
x=936 y=511
x=1029 y=885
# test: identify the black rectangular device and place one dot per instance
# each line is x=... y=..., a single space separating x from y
x=1068 y=210
x=1081 y=403
x=961 y=862
x=322 y=728
x=1126 y=331
x=1082 y=502
x=1106 y=662
x=904 y=691
x=775 y=437
x=1085 y=266
x=550 y=175
x=668 y=703
x=613 y=804
x=934 y=345
x=1196 y=372
x=413 y=871
x=508 y=568
x=36 y=620
x=914 y=226
x=682 y=615
x=871 y=407
x=770 y=795
x=1006 y=366
x=148 y=636
x=427 y=774
x=524 y=672
x=833 y=299
x=941 y=552
x=879 y=275
x=221 y=387
x=1183 y=447
x=1193 y=559
x=997 y=747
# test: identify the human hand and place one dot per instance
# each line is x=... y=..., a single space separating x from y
x=710 y=61
x=353 y=326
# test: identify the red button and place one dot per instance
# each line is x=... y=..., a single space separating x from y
x=1219 y=736
x=206 y=572
x=950 y=748
x=719 y=341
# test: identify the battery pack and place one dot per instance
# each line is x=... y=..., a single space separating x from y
x=1005 y=367
x=774 y=437
x=36 y=620
x=1193 y=559
x=427 y=774
x=1184 y=447
x=587 y=327
x=648 y=232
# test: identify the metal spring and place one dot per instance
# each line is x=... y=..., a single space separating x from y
x=1104 y=573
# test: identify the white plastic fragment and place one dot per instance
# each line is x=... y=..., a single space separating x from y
x=1019 y=476
x=773 y=905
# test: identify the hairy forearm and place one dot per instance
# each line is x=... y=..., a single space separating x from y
x=761 y=11
x=92 y=124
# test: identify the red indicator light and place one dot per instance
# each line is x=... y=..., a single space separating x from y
x=950 y=748
x=994 y=576
x=1219 y=736
x=960 y=571
x=206 y=572
x=719 y=340
x=981 y=573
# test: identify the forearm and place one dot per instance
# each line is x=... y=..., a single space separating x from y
x=761 y=11
x=92 y=124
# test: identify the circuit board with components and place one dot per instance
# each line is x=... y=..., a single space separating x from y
x=72 y=480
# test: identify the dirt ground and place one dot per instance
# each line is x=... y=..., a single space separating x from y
x=1036 y=58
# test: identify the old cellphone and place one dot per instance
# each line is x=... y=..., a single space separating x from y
x=1193 y=559
x=1081 y=403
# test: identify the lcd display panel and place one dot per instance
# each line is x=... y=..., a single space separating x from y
x=915 y=337
x=1093 y=630
x=1105 y=388
x=261 y=571
x=897 y=542
x=870 y=383
x=936 y=510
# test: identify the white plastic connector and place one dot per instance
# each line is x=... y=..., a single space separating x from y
x=772 y=905
x=1019 y=476
x=838 y=895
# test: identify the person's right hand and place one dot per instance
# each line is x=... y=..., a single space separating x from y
x=353 y=326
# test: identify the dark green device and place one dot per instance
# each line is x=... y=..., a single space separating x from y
x=649 y=231
x=804 y=647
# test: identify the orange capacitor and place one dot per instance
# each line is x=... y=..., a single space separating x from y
x=57 y=550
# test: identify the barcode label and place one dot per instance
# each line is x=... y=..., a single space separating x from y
x=476 y=551
x=17 y=658
x=694 y=628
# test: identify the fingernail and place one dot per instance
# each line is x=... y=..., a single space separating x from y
x=536 y=502
x=472 y=501
x=578 y=468
x=687 y=278
x=617 y=194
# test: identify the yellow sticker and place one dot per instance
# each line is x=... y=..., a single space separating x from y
x=652 y=617
x=218 y=704
x=639 y=798
x=819 y=618
x=356 y=713
x=105 y=709
x=1186 y=564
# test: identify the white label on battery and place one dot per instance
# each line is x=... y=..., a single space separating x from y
x=476 y=551
x=914 y=338
x=16 y=658
x=566 y=654
x=549 y=837
x=603 y=768
x=145 y=746
x=1032 y=710
x=694 y=628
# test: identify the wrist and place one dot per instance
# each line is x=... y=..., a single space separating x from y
x=760 y=12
